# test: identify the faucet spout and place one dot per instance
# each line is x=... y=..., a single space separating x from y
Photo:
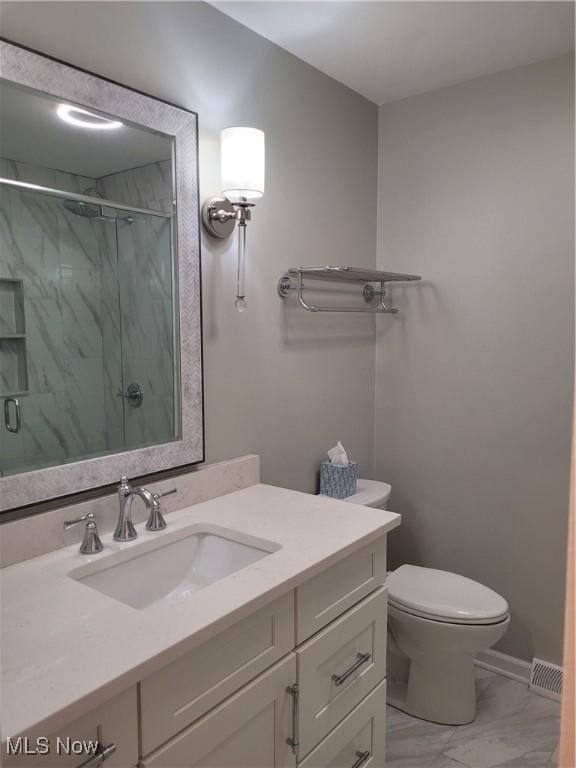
x=125 y=530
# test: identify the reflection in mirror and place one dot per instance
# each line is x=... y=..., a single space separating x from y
x=88 y=297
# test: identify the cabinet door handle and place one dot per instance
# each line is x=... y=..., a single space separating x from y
x=362 y=757
x=293 y=741
x=361 y=658
x=102 y=753
x=7 y=418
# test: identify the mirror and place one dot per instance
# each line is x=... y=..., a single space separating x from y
x=95 y=252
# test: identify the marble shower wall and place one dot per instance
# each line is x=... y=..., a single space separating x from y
x=58 y=258
x=148 y=186
x=146 y=300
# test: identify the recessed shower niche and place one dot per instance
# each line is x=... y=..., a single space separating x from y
x=13 y=367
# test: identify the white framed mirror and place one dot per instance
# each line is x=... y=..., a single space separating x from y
x=100 y=301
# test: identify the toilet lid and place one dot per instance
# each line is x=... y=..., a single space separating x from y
x=444 y=596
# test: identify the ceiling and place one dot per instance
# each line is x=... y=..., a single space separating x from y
x=391 y=49
x=31 y=132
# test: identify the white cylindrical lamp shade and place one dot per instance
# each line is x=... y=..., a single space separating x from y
x=242 y=162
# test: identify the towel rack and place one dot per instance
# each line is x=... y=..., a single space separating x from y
x=293 y=280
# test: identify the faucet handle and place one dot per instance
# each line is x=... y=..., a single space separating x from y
x=156 y=521
x=166 y=493
x=91 y=543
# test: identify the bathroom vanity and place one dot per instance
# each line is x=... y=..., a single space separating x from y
x=281 y=662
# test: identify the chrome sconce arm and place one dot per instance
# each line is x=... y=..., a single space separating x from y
x=220 y=216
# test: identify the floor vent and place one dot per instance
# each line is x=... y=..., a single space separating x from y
x=546 y=679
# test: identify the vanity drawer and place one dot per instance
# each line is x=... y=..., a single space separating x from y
x=248 y=730
x=339 y=666
x=115 y=722
x=323 y=598
x=362 y=731
x=175 y=696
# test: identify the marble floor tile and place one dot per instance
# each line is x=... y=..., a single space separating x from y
x=514 y=729
x=483 y=680
x=443 y=761
x=416 y=744
x=396 y=719
x=523 y=739
x=501 y=697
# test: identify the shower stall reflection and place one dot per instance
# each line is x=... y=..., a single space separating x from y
x=87 y=331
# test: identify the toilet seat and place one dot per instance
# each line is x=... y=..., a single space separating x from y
x=444 y=597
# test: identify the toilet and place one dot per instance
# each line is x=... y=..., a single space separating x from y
x=437 y=623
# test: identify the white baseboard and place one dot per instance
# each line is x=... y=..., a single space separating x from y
x=502 y=664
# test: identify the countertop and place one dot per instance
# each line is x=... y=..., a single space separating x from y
x=67 y=648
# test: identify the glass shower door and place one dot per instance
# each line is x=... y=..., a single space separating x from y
x=146 y=282
x=57 y=278
x=87 y=331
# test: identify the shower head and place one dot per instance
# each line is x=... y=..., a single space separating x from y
x=87 y=210
x=92 y=211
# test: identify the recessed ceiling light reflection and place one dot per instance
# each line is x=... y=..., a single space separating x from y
x=82 y=118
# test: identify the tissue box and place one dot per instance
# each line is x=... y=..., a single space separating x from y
x=338 y=481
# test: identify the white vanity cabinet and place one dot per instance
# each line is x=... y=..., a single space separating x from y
x=298 y=683
x=230 y=703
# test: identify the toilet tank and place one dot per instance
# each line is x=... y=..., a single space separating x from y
x=371 y=493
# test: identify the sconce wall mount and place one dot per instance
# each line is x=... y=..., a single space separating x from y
x=220 y=216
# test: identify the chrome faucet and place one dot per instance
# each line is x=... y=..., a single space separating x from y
x=125 y=530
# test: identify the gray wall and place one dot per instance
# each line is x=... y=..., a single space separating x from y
x=279 y=382
x=474 y=377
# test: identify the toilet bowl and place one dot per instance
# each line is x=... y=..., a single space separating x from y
x=437 y=623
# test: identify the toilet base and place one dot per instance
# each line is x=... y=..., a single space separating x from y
x=430 y=666
x=435 y=698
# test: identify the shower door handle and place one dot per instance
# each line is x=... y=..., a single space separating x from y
x=8 y=418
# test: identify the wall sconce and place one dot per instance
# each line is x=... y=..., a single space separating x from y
x=242 y=167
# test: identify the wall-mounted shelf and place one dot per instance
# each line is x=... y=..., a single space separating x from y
x=293 y=280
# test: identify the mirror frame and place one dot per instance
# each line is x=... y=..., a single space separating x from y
x=36 y=71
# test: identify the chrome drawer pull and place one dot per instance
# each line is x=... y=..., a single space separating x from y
x=293 y=741
x=361 y=658
x=101 y=754
x=362 y=757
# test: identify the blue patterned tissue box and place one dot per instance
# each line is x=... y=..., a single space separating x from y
x=338 y=481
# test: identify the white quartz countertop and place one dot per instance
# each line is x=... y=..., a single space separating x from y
x=66 y=648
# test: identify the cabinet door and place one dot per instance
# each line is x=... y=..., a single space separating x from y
x=248 y=730
x=177 y=695
x=114 y=723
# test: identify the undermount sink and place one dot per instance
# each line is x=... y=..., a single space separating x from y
x=173 y=571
